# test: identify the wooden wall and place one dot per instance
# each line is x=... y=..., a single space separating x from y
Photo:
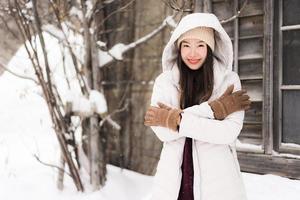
x=135 y=146
x=247 y=36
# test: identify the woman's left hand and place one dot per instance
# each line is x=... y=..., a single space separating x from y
x=163 y=115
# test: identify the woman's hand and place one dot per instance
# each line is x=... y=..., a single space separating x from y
x=164 y=116
x=230 y=102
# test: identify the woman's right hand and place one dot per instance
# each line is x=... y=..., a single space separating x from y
x=230 y=102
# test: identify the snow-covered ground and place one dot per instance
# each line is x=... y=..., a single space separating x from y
x=25 y=130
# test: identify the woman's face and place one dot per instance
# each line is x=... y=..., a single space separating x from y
x=193 y=53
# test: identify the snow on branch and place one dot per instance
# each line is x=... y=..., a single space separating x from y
x=83 y=106
x=117 y=51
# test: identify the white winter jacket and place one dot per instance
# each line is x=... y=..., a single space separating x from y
x=217 y=173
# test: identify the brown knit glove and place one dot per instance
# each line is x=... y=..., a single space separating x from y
x=230 y=102
x=164 y=116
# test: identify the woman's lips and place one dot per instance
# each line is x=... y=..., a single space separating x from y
x=193 y=61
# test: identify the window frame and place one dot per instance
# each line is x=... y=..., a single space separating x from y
x=278 y=75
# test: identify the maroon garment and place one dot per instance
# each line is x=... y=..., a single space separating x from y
x=187 y=181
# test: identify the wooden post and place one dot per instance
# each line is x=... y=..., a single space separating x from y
x=268 y=78
x=203 y=6
x=198 y=6
x=236 y=37
x=207 y=6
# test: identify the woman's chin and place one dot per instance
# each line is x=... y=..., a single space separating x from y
x=194 y=66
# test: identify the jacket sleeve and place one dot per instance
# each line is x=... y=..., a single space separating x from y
x=162 y=92
x=210 y=130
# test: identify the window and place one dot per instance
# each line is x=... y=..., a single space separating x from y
x=287 y=76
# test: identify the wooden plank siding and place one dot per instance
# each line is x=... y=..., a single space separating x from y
x=266 y=164
x=247 y=34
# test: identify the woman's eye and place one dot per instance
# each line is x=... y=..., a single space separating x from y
x=185 y=45
x=200 y=45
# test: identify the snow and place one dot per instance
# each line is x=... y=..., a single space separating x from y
x=248 y=147
x=29 y=5
x=26 y=130
x=74 y=11
x=101 y=44
x=87 y=106
x=98 y=102
x=89 y=8
x=116 y=52
x=293 y=145
x=81 y=105
x=171 y=22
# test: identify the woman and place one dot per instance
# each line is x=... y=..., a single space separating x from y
x=197 y=110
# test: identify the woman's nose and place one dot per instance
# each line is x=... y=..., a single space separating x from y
x=193 y=52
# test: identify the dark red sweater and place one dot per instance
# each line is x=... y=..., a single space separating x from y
x=187 y=181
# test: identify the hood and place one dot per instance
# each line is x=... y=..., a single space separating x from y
x=223 y=45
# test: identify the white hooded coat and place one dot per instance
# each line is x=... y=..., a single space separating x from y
x=217 y=173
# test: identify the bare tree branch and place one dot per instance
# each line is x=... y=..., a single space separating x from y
x=236 y=15
x=19 y=75
x=116 y=11
x=173 y=4
x=51 y=165
x=167 y=21
x=110 y=120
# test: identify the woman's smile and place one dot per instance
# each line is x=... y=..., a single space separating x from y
x=193 y=61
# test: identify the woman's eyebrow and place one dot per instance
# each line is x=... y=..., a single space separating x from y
x=185 y=42
x=190 y=43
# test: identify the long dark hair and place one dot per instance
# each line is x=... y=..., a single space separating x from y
x=196 y=85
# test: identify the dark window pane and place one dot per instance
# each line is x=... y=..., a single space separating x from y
x=291 y=116
x=291 y=58
x=291 y=12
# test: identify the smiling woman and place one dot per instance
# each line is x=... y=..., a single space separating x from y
x=197 y=110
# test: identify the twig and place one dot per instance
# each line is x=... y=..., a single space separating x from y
x=116 y=11
x=51 y=165
x=19 y=75
x=109 y=119
x=8 y=28
x=236 y=15
x=174 y=5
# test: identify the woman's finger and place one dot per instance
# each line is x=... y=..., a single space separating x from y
x=150 y=123
x=240 y=92
x=152 y=110
x=246 y=103
x=148 y=117
x=147 y=123
x=245 y=97
x=228 y=90
x=161 y=105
